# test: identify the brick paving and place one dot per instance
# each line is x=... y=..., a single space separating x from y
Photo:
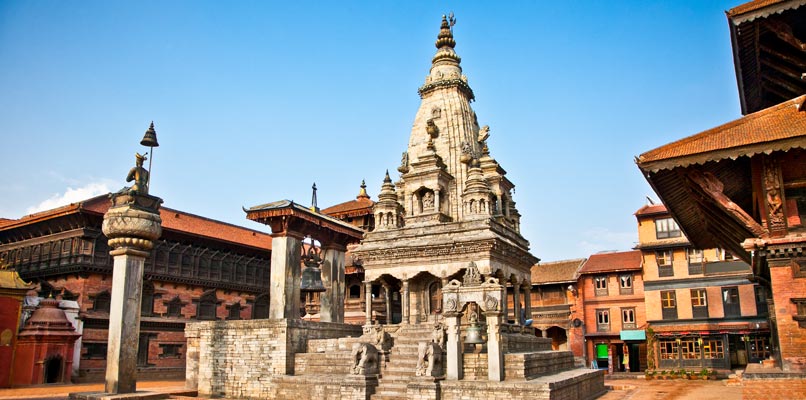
x=60 y=392
x=627 y=389
x=640 y=389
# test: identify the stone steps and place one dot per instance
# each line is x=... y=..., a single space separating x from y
x=330 y=363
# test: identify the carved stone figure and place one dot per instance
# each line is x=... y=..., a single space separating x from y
x=429 y=359
x=428 y=201
x=404 y=163
x=139 y=175
x=438 y=335
x=472 y=276
x=365 y=359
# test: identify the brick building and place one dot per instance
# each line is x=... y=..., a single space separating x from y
x=701 y=304
x=612 y=291
x=200 y=269
x=742 y=185
x=557 y=305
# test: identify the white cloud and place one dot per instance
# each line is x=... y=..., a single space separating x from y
x=599 y=239
x=71 y=195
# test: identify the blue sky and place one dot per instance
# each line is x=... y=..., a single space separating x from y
x=253 y=101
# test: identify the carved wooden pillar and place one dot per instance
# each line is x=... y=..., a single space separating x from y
x=774 y=199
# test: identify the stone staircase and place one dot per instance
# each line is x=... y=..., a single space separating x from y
x=400 y=368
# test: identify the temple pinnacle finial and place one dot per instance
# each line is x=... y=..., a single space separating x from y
x=387 y=178
x=362 y=194
x=314 y=207
x=445 y=37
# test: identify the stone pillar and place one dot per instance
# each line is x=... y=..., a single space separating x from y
x=414 y=202
x=516 y=300
x=131 y=225
x=332 y=300
x=405 y=301
x=505 y=302
x=192 y=359
x=387 y=294
x=495 y=354
x=436 y=200
x=368 y=303
x=453 y=365
x=284 y=281
x=527 y=294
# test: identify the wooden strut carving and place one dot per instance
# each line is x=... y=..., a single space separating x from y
x=774 y=197
x=713 y=187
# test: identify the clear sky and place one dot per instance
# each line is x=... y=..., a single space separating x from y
x=255 y=100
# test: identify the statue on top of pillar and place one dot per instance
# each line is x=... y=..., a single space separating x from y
x=139 y=175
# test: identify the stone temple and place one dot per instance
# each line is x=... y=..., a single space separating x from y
x=446 y=246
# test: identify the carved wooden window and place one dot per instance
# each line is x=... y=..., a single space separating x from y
x=435 y=297
x=206 y=307
x=699 y=303
x=355 y=292
x=147 y=302
x=600 y=285
x=689 y=348
x=234 y=311
x=628 y=318
x=800 y=306
x=95 y=351
x=625 y=284
x=102 y=302
x=730 y=301
x=603 y=320
x=759 y=348
x=175 y=307
x=261 y=308
x=666 y=228
x=668 y=302
x=170 y=350
x=143 y=344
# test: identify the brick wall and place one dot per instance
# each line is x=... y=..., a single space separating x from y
x=791 y=336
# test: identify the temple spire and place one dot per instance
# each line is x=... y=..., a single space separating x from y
x=314 y=207
x=445 y=38
x=362 y=194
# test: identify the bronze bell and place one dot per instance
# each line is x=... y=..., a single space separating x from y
x=150 y=138
x=311 y=280
x=474 y=334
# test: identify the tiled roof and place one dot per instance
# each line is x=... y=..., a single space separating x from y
x=171 y=220
x=6 y=221
x=651 y=209
x=612 y=262
x=353 y=208
x=556 y=271
x=780 y=127
x=758 y=5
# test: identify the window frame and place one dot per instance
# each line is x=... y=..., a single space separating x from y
x=667 y=228
x=628 y=318
x=668 y=304
x=603 y=320
x=600 y=285
x=628 y=288
x=699 y=303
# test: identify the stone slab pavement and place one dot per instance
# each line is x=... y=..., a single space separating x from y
x=677 y=389
x=61 y=392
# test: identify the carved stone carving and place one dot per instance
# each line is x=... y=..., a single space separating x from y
x=130 y=227
x=490 y=303
x=472 y=276
x=429 y=359
x=450 y=305
x=404 y=163
x=365 y=359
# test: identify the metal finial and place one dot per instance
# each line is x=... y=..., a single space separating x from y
x=387 y=178
x=314 y=206
x=363 y=192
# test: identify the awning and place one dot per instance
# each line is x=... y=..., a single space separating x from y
x=633 y=335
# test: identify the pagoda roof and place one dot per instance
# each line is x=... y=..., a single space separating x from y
x=172 y=220
x=778 y=128
x=353 y=208
x=556 y=271
x=612 y=262
x=290 y=208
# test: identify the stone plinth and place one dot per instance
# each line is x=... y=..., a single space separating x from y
x=131 y=224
